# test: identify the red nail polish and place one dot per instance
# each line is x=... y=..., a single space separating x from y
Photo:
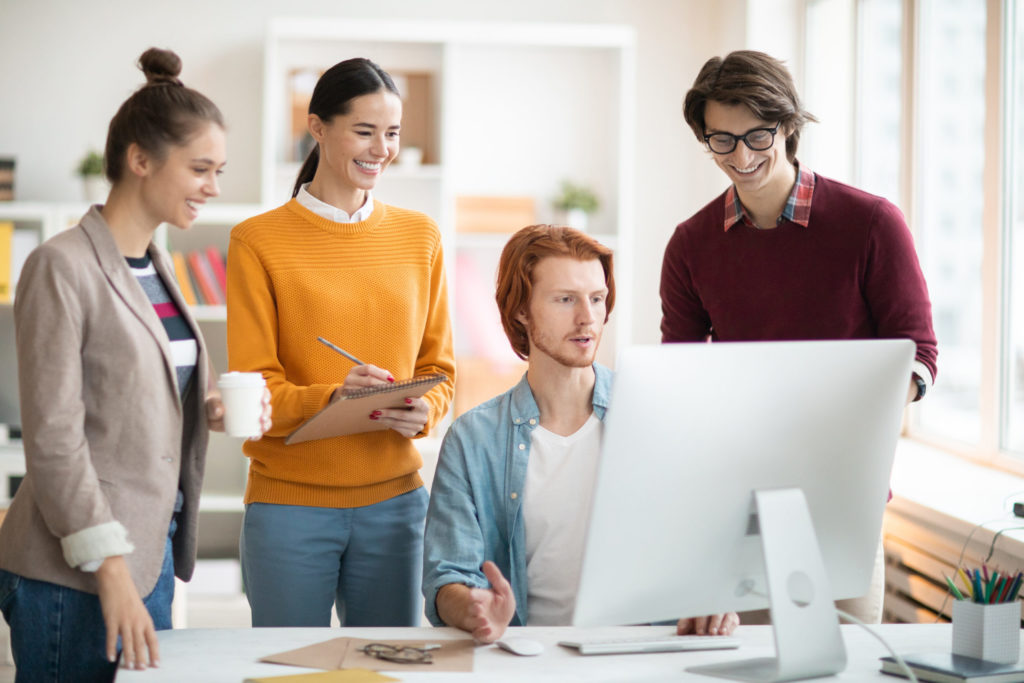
x=373 y=416
x=390 y=378
x=409 y=401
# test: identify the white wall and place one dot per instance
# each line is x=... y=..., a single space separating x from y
x=69 y=63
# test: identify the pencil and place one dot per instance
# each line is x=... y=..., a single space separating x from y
x=1016 y=586
x=341 y=351
x=967 y=581
x=1004 y=592
x=979 y=592
x=996 y=587
x=953 y=589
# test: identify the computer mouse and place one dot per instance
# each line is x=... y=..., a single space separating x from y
x=523 y=647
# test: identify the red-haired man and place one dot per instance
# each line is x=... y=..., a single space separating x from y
x=510 y=500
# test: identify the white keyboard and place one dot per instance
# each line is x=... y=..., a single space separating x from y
x=618 y=646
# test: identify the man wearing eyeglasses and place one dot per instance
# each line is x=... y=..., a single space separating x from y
x=785 y=253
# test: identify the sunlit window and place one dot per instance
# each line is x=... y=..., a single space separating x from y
x=948 y=188
x=827 y=146
x=927 y=98
x=1015 y=271
x=879 y=99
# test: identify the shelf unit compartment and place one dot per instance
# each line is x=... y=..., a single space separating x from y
x=212 y=228
x=24 y=227
x=10 y=414
x=298 y=51
x=522 y=118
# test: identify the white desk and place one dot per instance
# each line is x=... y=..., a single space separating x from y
x=212 y=655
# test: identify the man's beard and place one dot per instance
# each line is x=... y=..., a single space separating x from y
x=564 y=357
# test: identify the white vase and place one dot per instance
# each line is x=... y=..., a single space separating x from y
x=410 y=157
x=576 y=218
x=95 y=188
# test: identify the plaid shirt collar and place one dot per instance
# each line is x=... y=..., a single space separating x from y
x=797 y=209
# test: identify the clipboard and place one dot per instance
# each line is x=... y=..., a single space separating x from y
x=350 y=414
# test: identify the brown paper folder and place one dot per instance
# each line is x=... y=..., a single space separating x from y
x=336 y=676
x=326 y=655
x=350 y=414
x=346 y=653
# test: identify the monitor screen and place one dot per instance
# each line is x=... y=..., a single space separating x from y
x=693 y=430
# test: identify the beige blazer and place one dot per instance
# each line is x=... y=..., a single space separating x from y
x=106 y=437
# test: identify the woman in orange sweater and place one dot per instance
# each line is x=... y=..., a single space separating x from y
x=339 y=520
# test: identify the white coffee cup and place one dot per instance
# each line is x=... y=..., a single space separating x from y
x=242 y=394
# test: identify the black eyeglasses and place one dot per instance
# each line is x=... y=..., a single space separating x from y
x=401 y=655
x=757 y=139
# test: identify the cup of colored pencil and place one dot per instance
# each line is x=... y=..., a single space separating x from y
x=986 y=614
x=984 y=587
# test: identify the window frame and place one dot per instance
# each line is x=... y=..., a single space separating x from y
x=999 y=167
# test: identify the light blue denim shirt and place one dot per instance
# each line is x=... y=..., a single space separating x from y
x=477 y=495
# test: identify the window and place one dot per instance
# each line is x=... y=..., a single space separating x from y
x=828 y=146
x=947 y=172
x=1014 y=270
x=939 y=130
x=879 y=98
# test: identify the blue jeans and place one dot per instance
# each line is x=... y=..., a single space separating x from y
x=58 y=633
x=298 y=561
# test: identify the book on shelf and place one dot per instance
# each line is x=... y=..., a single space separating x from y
x=217 y=266
x=477 y=315
x=184 y=283
x=6 y=179
x=209 y=290
x=23 y=242
x=6 y=252
x=195 y=283
x=945 y=667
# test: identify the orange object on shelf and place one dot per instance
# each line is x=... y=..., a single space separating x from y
x=493 y=214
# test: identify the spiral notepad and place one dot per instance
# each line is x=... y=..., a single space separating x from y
x=350 y=414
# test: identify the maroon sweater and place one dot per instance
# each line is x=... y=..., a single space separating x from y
x=852 y=273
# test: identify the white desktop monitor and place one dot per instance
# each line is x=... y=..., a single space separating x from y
x=692 y=432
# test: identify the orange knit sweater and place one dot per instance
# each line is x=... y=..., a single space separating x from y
x=376 y=289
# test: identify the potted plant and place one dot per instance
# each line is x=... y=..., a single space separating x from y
x=90 y=169
x=575 y=202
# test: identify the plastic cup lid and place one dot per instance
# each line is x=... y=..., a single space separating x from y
x=241 y=379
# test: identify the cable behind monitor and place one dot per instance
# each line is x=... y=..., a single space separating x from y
x=907 y=671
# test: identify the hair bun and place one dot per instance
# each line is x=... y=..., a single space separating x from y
x=160 y=66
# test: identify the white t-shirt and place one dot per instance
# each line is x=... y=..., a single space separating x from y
x=556 y=509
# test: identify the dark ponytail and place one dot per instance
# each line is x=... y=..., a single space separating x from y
x=333 y=96
x=158 y=115
x=308 y=169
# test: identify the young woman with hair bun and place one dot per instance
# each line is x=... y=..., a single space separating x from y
x=116 y=399
x=339 y=521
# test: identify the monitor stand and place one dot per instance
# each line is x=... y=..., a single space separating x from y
x=807 y=638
